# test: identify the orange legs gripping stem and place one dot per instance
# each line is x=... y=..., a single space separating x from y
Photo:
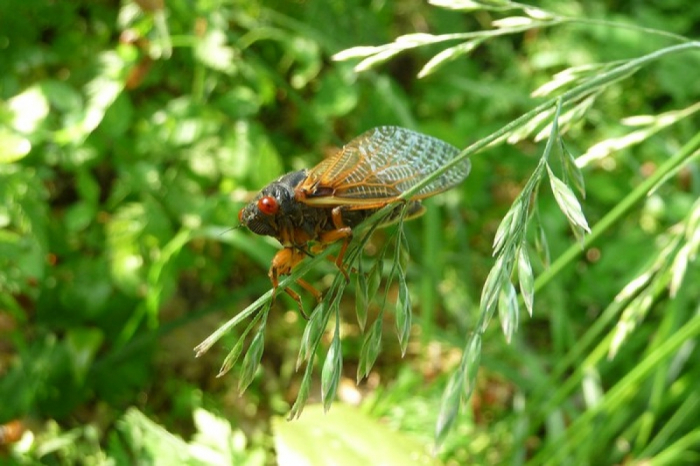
x=288 y=258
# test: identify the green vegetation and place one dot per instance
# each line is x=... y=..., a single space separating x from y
x=544 y=312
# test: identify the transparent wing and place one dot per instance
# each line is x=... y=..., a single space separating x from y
x=380 y=165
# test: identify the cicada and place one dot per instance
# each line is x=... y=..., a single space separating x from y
x=307 y=210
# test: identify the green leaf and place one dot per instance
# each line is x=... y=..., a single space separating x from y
x=212 y=51
x=526 y=279
x=79 y=216
x=251 y=361
x=13 y=147
x=147 y=439
x=567 y=201
x=375 y=276
x=214 y=442
x=376 y=59
x=370 y=350
x=336 y=96
x=232 y=357
x=448 y=55
x=124 y=230
x=302 y=397
x=355 y=52
x=240 y=102
x=508 y=311
x=572 y=171
x=678 y=269
x=267 y=164
x=30 y=109
x=541 y=243
x=102 y=91
x=492 y=288
x=83 y=344
x=403 y=313
x=361 y=297
x=312 y=333
x=471 y=358
x=307 y=54
x=449 y=406
x=503 y=231
x=234 y=354
x=331 y=372
x=345 y=436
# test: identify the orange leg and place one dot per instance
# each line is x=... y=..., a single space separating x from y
x=310 y=288
x=282 y=264
x=344 y=233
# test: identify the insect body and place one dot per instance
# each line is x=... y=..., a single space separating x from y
x=324 y=204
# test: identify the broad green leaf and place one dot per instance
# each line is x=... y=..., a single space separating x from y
x=307 y=54
x=124 y=231
x=147 y=439
x=101 y=91
x=79 y=216
x=345 y=436
x=30 y=109
x=336 y=96
x=13 y=147
x=214 y=442
x=83 y=344
x=267 y=163
x=214 y=52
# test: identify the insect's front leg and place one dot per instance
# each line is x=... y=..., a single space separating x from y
x=282 y=264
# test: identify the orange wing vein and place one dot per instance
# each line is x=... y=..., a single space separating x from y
x=380 y=165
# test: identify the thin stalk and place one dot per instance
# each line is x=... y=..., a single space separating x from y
x=578 y=91
x=683 y=156
x=686 y=155
x=622 y=390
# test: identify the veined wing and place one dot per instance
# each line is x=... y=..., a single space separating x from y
x=380 y=165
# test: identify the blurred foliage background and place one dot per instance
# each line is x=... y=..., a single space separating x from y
x=131 y=133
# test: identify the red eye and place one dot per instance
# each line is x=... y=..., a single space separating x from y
x=240 y=216
x=268 y=205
